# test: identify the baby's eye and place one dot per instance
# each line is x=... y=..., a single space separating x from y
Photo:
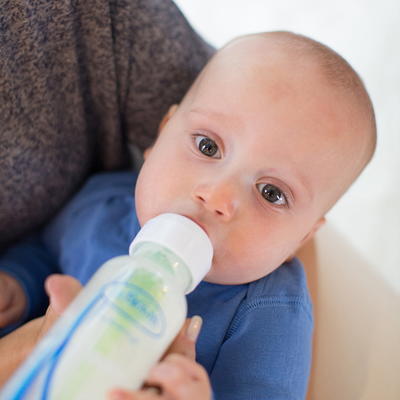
x=206 y=145
x=272 y=194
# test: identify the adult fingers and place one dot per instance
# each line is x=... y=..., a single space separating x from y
x=16 y=346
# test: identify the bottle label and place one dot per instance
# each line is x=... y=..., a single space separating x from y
x=135 y=306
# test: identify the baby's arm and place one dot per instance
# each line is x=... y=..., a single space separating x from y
x=267 y=352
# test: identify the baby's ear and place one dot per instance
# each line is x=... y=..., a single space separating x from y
x=313 y=230
x=167 y=117
x=147 y=152
x=309 y=236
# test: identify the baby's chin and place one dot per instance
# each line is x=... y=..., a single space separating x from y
x=230 y=274
x=221 y=275
x=221 y=280
x=229 y=277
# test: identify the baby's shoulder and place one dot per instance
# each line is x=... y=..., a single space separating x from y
x=287 y=284
x=279 y=300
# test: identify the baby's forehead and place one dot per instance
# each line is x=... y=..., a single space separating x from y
x=288 y=57
x=257 y=50
x=259 y=66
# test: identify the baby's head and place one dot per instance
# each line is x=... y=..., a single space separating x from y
x=271 y=134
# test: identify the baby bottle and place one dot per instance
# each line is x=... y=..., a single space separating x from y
x=124 y=319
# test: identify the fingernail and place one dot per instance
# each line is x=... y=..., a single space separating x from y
x=194 y=327
x=152 y=389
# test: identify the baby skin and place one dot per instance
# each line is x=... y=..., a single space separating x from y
x=12 y=300
x=271 y=134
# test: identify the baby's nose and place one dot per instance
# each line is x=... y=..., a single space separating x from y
x=220 y=198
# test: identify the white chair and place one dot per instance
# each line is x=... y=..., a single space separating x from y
x=357 y=324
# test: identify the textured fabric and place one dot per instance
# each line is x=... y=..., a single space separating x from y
x=79 y=80
x=256 y=338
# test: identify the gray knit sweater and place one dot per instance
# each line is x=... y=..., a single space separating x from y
x=79 y=81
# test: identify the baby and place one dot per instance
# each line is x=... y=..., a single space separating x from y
x=272 y=132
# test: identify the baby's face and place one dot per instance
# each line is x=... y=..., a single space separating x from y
x=254 y=155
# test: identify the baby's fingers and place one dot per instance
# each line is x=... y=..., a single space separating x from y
x=180 y=378
x=4 y=318
x=5 y=295
x=120 y=394
x=12 y=300
x=10 y=315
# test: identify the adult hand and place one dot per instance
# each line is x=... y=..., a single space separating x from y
x=17 y=345
x=61 y=289
x=188 y=378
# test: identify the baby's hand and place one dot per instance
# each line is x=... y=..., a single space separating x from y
x=12 y=300
x=180 y=378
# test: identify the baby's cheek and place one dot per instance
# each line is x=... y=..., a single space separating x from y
x=234 y=267
x=257 y=259
x=144 y=200
x=143 y=211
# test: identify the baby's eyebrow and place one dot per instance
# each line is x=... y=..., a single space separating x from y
x=220 y=121
x=303 y=182
x=306 y=187
x=208 y=113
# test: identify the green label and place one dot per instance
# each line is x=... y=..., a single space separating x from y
x=135 y=305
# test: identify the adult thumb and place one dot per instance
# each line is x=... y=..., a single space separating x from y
x=62 y=289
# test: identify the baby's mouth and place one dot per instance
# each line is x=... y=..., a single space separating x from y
x=196 y=221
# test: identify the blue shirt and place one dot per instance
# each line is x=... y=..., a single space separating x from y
x=256 y=337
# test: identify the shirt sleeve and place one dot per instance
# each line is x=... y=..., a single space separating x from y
x=33 y=259
x=266 y=353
